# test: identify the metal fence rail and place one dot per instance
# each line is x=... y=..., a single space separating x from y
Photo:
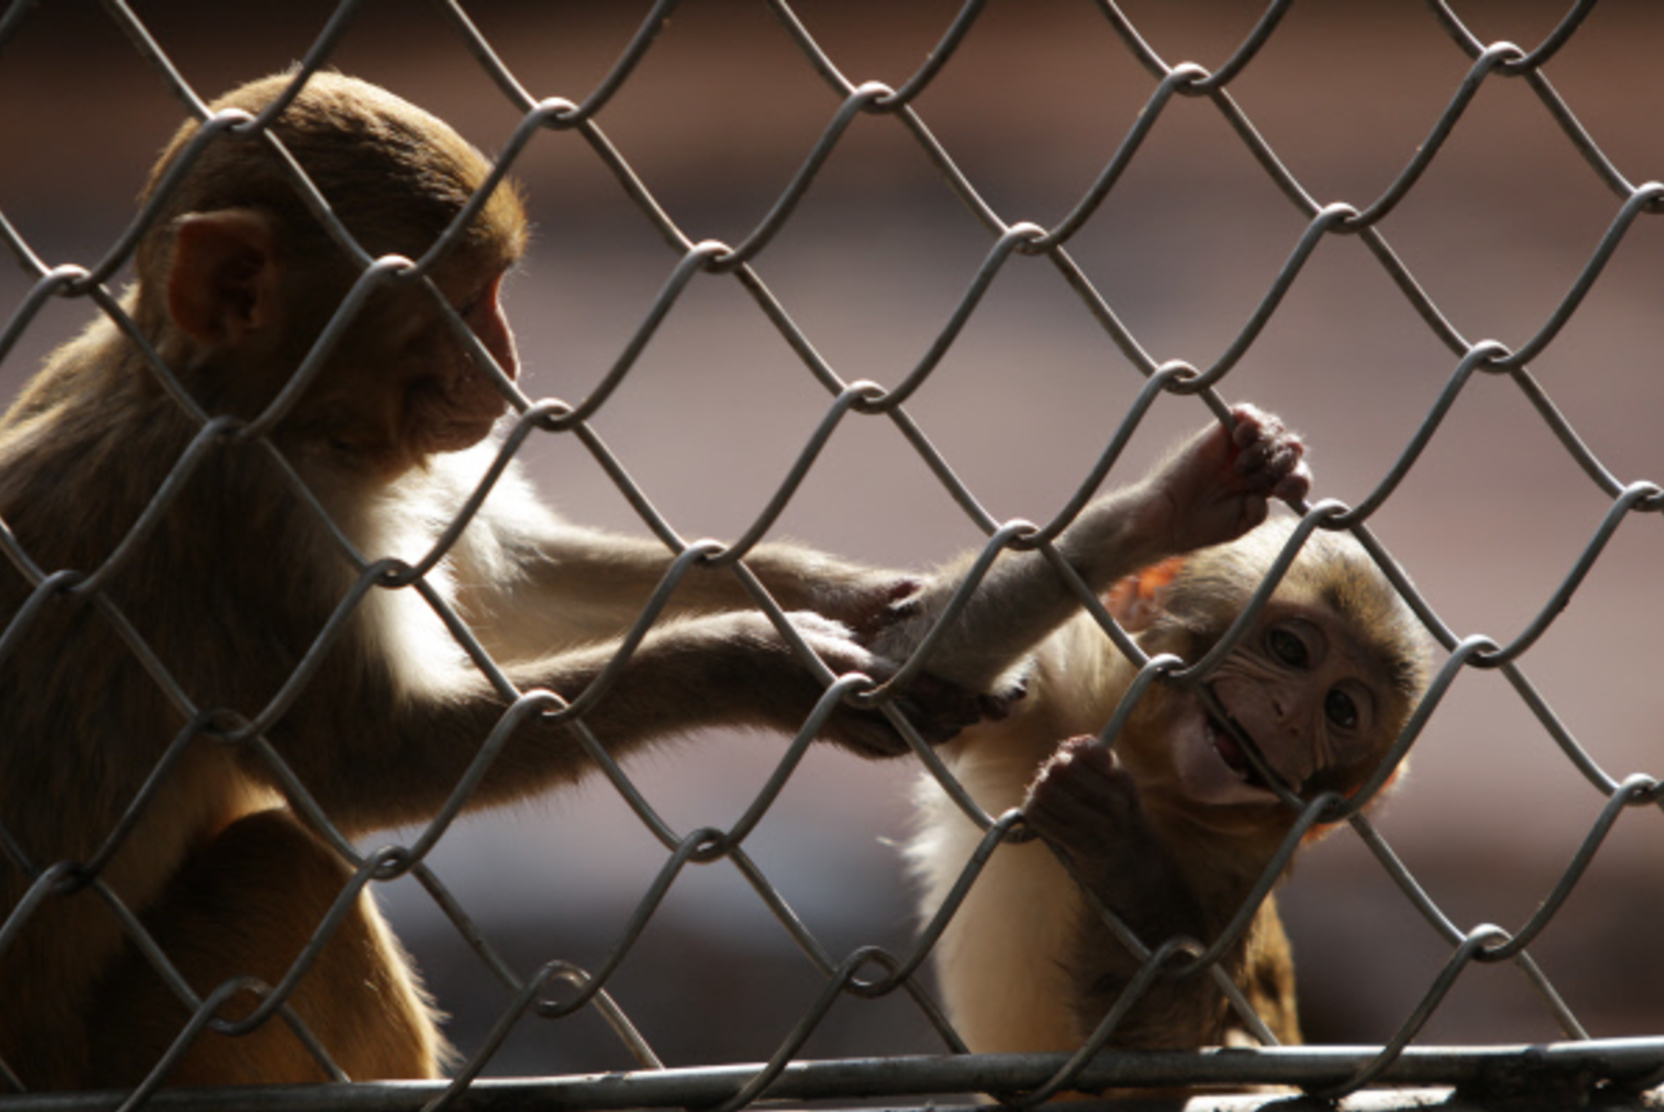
x=1580 y=1063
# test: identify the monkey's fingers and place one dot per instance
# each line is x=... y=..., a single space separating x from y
x=865 y=733
x=936 y=709
x=996 y=706
x=1269 y=456
x=1081 y=796
x=1250 y=425
x=896 y=603
x=940 y=709
x=1265 y=448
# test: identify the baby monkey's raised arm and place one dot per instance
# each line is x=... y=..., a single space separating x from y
x=1212 y=489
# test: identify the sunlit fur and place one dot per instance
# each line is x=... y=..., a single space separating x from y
x=236 y=581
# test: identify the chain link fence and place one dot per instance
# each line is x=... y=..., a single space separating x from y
x=554 y=990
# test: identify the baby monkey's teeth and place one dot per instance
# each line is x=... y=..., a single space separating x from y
x=1230 y=751
x=1227 y=748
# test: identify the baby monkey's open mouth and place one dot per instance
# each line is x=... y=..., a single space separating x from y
x=1231 y=752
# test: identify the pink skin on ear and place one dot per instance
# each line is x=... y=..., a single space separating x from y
x=1136 y=600
x=222 y=287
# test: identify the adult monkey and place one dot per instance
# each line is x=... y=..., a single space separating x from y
x=1173 y=824
x=234 y=578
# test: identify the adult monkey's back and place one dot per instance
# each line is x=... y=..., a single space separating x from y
x=236 y=577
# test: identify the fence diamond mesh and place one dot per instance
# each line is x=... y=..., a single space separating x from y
x=1451 y=67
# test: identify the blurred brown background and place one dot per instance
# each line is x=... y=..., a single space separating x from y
x=716 y=120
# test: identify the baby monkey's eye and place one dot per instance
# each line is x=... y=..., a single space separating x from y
x=471 y=306
x=480 y=297
x=1287 y=647
x=1339 y=708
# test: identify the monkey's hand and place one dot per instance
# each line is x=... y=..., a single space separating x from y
x=869 y=602
x=861 y=597
x=1218 y=485
x=1086 y=803
x=936 y=708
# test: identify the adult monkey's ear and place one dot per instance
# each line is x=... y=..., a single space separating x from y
x=1137 y=600
x=224 y=280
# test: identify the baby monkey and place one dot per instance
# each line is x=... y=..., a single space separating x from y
x=1170 y=824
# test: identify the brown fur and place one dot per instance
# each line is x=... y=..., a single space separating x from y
x=234 y=580
x=359 y=995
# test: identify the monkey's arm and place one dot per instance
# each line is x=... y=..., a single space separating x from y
x=1086 y=804
x=531 y=581
x=613 y=576
x=1213 y=489
x=411 y=745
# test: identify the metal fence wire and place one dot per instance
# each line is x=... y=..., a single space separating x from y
x=1575 y=1066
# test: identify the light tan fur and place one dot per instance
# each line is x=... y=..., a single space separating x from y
x=1001 y=977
